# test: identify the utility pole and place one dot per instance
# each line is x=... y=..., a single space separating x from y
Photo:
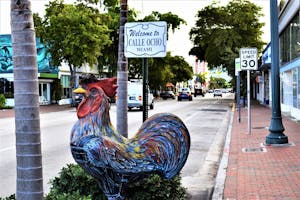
x=276 y=135
x=122 y=104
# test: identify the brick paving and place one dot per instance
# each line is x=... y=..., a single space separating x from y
x=262 y=172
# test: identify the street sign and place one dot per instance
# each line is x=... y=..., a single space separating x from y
x=237 y=66
x=145 y=39
x=248 y=62
x=248 y=58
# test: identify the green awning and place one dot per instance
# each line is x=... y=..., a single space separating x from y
x=48 y=75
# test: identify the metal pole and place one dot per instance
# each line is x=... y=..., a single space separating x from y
x=238 y=88
x=248 y=101
x=122 y=75
x=276 y=129
x=145 y=89
x=263 y=86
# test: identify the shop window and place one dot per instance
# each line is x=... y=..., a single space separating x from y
x=295 y=37
x=66 y=88
x=290 y=41
x=295 y=73
x=7 y=88
x=287 y=88
x=285 y=46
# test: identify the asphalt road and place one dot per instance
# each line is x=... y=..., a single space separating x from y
x=206 y=118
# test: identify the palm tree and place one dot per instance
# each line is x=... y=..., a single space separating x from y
x=122 y=122
x=27 y=119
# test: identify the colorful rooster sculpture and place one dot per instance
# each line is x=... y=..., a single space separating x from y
x=161 y=145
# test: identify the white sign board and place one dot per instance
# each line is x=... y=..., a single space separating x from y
x=248 y=58
x=145 y=39
x=237 y=66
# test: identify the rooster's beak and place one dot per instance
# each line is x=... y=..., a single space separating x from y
x=80 y=90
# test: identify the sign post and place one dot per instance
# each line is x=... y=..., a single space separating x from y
x=248 y=60
x=144 y=40
x=238 y=86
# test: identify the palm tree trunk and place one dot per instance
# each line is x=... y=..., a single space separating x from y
x=27 y=119
x=122 y=76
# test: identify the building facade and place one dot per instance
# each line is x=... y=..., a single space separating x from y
x=289 y=34
x=47 y=73
x=289 y=48
x=54 y=81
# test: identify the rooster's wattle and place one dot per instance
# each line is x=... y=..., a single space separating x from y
x=161 y=145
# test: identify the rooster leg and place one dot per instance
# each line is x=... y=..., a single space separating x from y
x=108 y=193
x=110 y=183
x=115 y=197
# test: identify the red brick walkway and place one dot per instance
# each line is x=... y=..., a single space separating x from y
x=263 y=173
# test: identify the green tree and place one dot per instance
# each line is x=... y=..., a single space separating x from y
x=180 y=68
x=220 y=31
x=173 y=21
x=171 y=69
x=217 y=83
x=110 y=58
x=162 y=70
x=27 y=120
x=159 y=72
x=201 y=77
x=74 y=34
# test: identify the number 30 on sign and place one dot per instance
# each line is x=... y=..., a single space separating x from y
x=248 y=58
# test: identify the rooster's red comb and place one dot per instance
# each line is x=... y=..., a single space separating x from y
x=108 y=85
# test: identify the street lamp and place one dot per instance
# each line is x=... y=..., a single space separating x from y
x=276 y=135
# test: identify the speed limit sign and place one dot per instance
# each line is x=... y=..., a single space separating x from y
x=248 y=58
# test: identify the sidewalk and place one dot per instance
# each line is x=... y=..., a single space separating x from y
x=5 y=113
x=261 y=172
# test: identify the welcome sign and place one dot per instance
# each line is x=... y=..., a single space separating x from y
x=145 y=39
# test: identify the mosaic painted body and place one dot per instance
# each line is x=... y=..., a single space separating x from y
x=161 y=145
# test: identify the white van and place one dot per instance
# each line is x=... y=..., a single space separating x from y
x=135 y=96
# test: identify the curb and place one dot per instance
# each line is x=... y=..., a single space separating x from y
x=221 y=175
x=203 y=185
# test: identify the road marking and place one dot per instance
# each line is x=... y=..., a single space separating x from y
x=191 y=116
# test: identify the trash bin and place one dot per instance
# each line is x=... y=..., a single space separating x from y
x=267 y=101
x=243 y=101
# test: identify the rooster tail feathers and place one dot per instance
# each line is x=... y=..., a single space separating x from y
x=165 y=136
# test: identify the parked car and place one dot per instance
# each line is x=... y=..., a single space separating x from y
x=185 y=93
x=167 y=94
x=224 y=90
x=77 y=99
x=217 y=92
x=135 y=96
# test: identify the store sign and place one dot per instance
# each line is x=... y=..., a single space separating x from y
x=145 y=39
